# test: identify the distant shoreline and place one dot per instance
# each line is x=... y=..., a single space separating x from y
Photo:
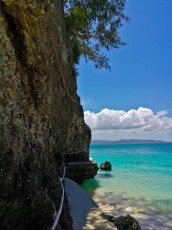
x=130 y=141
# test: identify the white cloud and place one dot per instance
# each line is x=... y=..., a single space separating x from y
x=140 y=123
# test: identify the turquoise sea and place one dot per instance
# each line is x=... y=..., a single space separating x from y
x=139 y=184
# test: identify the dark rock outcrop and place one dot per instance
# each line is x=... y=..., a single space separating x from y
x=106 y=165
x=79 y=171
x=125 y=222
x=40 y=113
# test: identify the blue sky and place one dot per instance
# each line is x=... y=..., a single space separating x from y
x=141 y=74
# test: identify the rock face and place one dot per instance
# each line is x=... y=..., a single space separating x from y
x=106 y=165
x=79 y=171
x=40 y=113
x=125 y=222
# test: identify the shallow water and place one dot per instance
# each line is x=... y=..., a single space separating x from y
x=140 y=182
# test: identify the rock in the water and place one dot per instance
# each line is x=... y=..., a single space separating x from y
x=125 y=222
x=106 y=165
x=79 y=171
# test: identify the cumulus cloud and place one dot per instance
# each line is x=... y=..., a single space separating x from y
x=132 y=121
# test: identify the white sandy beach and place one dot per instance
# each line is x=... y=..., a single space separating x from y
x=149 y=219
x=88 y=212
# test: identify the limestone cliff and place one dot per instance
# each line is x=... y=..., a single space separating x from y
x=40 y=113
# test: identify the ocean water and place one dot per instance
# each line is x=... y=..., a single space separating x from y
x=139 y=184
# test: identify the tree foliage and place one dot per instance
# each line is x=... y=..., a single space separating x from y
x=93 y=25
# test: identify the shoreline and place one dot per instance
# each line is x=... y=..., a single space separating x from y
x=85 y=212
x=139 y=184
x=87 y=215
x=148 y=217
x=91 y=211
